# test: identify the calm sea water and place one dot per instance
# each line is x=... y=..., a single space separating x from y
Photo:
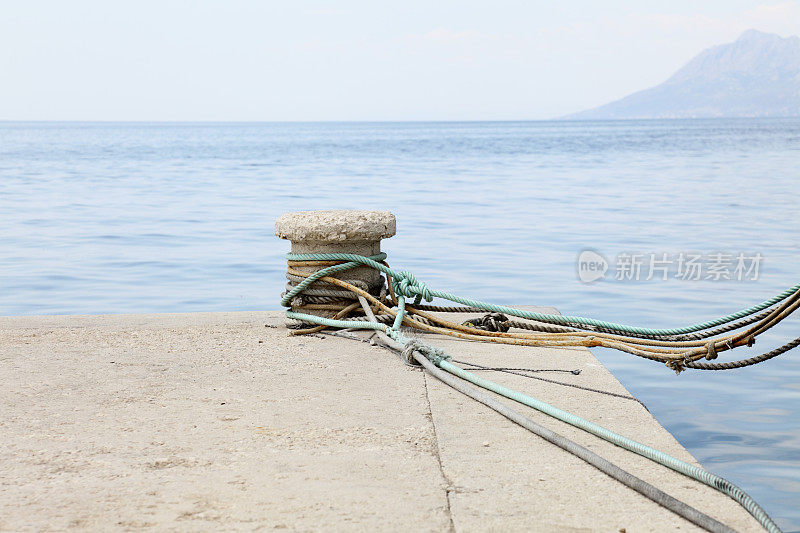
x=126 y=218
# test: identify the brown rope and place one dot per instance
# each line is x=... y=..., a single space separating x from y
x=678 y=352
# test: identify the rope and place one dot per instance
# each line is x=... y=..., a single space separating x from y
x=543 y=326
x=642 y=487
x=431 y=358
x=476 y=366
x=523 y=372
x=406 y=284
x=746 y=362
x=678 y=354
x=657 y=456
x=421 y=354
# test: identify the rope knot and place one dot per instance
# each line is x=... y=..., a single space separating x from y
x=434 y=355
x=490 y=322
x=406 y=283
x=711 y=349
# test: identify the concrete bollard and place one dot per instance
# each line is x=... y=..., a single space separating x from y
x=338 y=231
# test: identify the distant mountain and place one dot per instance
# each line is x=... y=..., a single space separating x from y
x=758 y=75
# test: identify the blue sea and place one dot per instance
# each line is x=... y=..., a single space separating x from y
x=140 y=217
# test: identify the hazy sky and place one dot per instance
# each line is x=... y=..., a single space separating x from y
x=351 y=60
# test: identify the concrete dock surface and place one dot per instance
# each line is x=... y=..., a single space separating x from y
x=220 y=421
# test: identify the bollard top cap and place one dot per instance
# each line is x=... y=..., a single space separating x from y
x=336 y=225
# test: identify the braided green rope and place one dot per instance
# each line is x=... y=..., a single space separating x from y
x=406 y=284
x=694 y=472
x=437 y=357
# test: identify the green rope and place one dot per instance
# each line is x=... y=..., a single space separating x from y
x=405 y=284
x=437 y=357
x=344 y=324
x=694 y=472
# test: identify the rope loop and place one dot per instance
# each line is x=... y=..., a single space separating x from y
x=408 y=351
x=406 y=283
x=434 y=355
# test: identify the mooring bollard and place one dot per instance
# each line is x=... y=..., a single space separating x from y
x=336 y=231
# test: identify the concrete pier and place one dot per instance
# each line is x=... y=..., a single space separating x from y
x=221 y=421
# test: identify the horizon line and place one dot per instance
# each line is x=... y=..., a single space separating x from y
x=427 y=121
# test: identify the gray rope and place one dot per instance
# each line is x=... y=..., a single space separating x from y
x=294 y=280
x=323 y=292
x=339 y=295
x=332 y=295
x=745 y=362
x=423 y=357
x=521 y=372
x=575 y=372
x=490 y=322
x=540 y=326
x=299 y=301
x=447 y=309
x=642 y=487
